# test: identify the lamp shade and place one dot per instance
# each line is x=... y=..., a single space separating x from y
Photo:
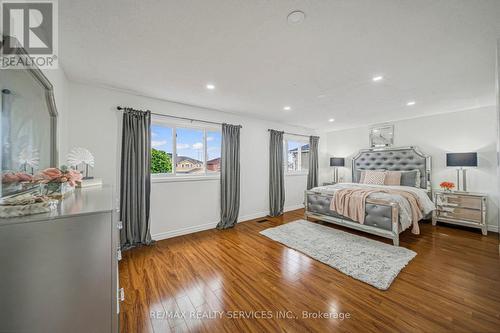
x=337 y=161
x=461 y=159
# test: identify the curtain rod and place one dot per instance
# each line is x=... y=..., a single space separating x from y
x=307 y=136
x=176 y=117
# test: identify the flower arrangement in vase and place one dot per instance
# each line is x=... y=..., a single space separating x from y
x=447 y=186
x=15 y=181
x=58 y=182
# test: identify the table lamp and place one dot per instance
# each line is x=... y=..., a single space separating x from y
x=461 y=161
x=336 y=162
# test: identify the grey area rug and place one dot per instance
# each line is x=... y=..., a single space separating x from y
x=367 y=260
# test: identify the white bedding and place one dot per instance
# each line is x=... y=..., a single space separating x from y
x=405 y=217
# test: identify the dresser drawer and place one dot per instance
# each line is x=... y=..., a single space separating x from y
x=460 y=201
x=459 y=213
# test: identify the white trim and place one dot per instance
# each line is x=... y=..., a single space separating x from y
x=212 y=225
x=297 y=173
x=249 y=217
x=294 y=207
x=173 y=179
x=184 y=231
x=492 y=228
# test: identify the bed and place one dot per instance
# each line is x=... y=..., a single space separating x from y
x=386 y=215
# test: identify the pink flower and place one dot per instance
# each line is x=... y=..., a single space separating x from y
x=9 y=178
x=73 y=177
x=24 y=177
x=51 y=174
x=56 y=175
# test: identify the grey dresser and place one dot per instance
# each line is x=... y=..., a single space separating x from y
x=462 y=208
x=59 y=271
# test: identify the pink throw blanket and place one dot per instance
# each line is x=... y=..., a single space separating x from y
x=351 y=203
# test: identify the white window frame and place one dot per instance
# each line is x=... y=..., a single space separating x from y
x=173 y=176
x=302 y=142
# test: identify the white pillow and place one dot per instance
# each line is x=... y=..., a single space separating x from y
x=374 y=177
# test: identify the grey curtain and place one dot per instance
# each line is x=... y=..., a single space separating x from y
x=312 y=176
x=276 y=174
x=135 y=181
x=230 y=176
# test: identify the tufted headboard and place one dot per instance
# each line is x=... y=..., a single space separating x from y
x=393 y=159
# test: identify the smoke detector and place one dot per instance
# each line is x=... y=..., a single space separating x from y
x=296 y=17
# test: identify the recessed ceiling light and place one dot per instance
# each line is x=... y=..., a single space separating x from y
x=287 y=108
x=210 y=86
x=410 y=103
x=331 y=120
x=377 y=78
x=296 y=17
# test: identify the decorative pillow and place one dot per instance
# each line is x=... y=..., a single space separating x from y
x=361 y=177
x=392 y=178
x=361 y=174
x=410 y=178
x=374 y=177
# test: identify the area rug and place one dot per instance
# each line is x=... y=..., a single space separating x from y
x=364 y=259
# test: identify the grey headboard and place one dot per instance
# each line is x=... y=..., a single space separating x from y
x=393 y=159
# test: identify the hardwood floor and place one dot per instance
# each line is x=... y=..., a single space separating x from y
x=453 y=284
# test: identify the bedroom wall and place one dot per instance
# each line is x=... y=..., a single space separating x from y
x=182 y=206
x=471 y=130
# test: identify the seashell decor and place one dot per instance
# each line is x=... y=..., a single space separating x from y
x=81 y=157
x=78 y=156
x=29 y=157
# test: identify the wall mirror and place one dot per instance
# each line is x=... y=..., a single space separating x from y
x=382 y=136
x=28 y=127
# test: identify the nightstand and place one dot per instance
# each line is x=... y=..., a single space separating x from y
x=462 y=208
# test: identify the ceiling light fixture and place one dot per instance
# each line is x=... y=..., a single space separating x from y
x=377 y=78
x=410 y=103
x=296 y=17
x=210 y=86
x=331 y=120
x=287 y=108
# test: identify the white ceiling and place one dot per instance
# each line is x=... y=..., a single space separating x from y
x=439 y=53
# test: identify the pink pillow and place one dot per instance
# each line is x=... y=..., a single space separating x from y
x=374 y=177
x=392 y=178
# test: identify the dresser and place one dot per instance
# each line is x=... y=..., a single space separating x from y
x=462 y=208
x=59 y=270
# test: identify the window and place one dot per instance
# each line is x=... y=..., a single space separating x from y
x=297 y=156
x=162 y=149
x=190 y=153
x=213 y=151
x=183 y=151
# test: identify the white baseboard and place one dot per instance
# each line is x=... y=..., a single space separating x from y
x=492 y=228
x=252 y=216
x=266 y=213
x=212 y=225
x=295 y=207
x=184 y=231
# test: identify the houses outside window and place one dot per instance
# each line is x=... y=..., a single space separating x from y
x=213 y=151
x=178 y=150
x=297 y=156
